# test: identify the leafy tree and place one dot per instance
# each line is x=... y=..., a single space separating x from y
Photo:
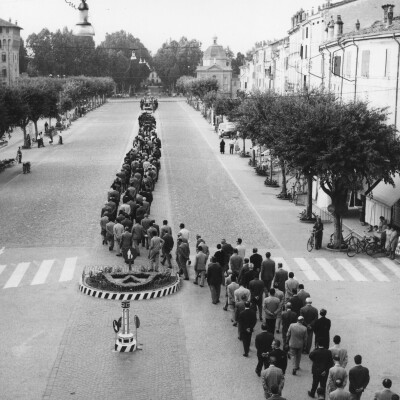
x=199 y=87
x=238 y=62
x=23 y=57
x=177 y=58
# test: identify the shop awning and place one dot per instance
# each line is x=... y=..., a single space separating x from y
x=386 y=193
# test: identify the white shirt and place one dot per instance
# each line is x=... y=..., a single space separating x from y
x=241 y=250
x=185 y=234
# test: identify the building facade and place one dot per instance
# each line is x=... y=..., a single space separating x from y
x=9 y=52
x=217 y=65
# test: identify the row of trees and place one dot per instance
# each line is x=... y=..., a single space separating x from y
x=347 y=146
x=63 y=54
x=34 y=98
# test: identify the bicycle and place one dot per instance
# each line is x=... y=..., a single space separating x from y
x=350 y=240
x=311 y=241
x=374 y=247
x=357 y=246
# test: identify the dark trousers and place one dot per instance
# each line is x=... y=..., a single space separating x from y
x=318 y=379
x=215 y=293
x=110 y=240
x=267 y=284
x=270 y=325
x=318 y=240
x=231 y=148
x=257 y=304
x=246 y=339
x=262 y=361
x=166 y=257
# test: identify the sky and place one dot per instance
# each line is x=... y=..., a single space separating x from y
x=237 y=23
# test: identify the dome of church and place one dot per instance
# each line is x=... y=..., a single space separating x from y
x=215 y=51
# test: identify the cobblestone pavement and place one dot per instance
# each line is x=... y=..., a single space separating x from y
x=58 y=343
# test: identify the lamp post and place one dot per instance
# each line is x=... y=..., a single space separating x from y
x=83 y=27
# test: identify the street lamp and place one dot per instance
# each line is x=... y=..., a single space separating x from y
x=83 y=26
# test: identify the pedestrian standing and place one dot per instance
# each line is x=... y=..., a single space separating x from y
x=319 y=230
x=167 y=247
x=288 y=317
x=302 y=294
x=235 y=262
x=103 y=223
x=126 y=244
x=222 y=146
x=110 y=234
x=340 y=393
x=267 y=271
x=263 y=343
x=227 y=251
x=231 y=145
x=281 y=276
x=200 y=267
x=137 y=234
x=322 y=362
x=297 y=304
x=290 y=284
x=155 y=246
x=280 y=355
x=230 y=293
x=256 y=259
x=272 y=376
x=336 y=373
x=271 y=307
x=214 y=280
x=184 y=233
x=296 y=340
x=182 y=257
x=256 y=287
x=310 y=315
x=340 y=352
x=358 y=379
x=247 y=321
x=165 y=229
x=275 y=393
x=19 y=155
x=280 y=295
x=322 y=327
x=118 y=231
x=240 y=248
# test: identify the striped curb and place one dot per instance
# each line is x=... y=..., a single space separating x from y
x=145 y=295
x=124 y=348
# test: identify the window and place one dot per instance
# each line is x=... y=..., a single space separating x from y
x=387 y=63
x=337 y=62
x=4 y=73
x=348 y=64
x=7 y=30
x=306 y=33
x=301 y=51
x=286 y=62
x=1 y=29
x=365 y=57
x=4 y=57
x=305 y=52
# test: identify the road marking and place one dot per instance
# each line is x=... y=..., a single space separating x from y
x=281 y=260
x=306 y=268
x=2 y=268
x=391 y=266
x=17 y=275
x=354 y=272
x=43 y=272
x=373 y=270
x=68 y=270
x=329 y=269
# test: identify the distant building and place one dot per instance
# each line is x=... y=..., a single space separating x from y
x=9 y=52
x=153 y=78
x=217 y=65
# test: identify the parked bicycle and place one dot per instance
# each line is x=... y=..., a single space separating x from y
x=311 y=241
x=350 y=240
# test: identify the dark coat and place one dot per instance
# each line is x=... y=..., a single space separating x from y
x=281 y=276
x=263 y=342
x=281 y=359
x=297 y=304
x=358 y=378
x=219 y=257
x=256 y=259
x=321 y=330
x=247 y=320
x=214 y=274
x=168 y=242
x=322 y=361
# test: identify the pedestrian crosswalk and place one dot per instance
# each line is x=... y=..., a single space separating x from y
x=37 y=273
x=356 y=269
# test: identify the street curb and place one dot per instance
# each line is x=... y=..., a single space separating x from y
x=145 y=295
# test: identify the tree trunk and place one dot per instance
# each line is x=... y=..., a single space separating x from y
x=309 y=197
x=244 y=146
x=25 y=138
x=283 y=169
x=36 y=128
x=270 y=168
x=337 y=233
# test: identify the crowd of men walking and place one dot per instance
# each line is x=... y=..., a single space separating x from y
x=256 y=289
x=125 y=221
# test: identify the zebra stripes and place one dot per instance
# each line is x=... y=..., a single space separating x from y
x=136 y=296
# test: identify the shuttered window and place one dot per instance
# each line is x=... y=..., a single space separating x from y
x=365 y=57
x=337 y=62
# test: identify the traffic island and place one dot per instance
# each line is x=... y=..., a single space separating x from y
x=121 y=283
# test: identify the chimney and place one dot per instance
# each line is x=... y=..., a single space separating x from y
x=331 y=28
x=338 y=29
x=16 y=22
x=390 y=15
x=357 y=25
x=385 y=12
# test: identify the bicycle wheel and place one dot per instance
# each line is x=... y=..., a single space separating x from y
x=371 y=249
x=352 y=250
x=310 y=243
x=354 y=242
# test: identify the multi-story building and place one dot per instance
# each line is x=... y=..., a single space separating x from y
x=9 y=52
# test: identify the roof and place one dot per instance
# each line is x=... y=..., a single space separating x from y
x=378 y=27
x=213 y=67
x=215 y=51
x=4 y=23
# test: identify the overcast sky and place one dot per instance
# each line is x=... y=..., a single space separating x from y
x=237 y=23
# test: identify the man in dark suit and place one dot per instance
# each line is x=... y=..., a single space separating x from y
x=280 y=355
x=322 y=362
x=256 y=287
x=322 y=327
x=296 y=303
x=303 y=295
x=263 y=344
x=247 y=321
x=167 y=248
x=214 y=280
x=267 y=271
x=358 y=378
x=219 y=258
x=227 y=251
x=256 y=259
x=310 y=315
x=281 y=276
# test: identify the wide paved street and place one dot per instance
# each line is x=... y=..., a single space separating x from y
x=58 y=344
